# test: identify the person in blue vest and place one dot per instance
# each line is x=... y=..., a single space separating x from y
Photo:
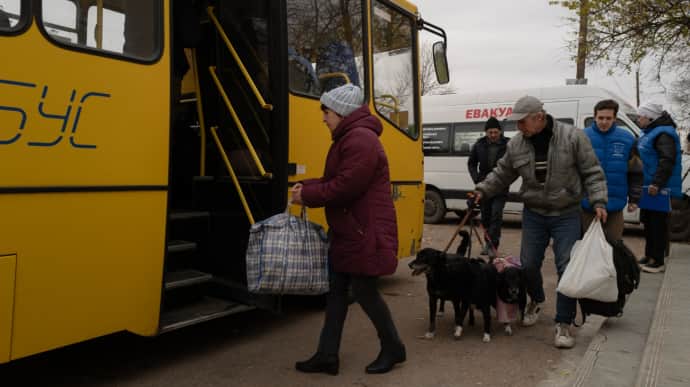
x=616 y=149
x=659 y=148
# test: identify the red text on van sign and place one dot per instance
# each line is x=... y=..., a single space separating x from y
x=498 y=112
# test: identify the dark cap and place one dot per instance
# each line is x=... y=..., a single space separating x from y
x=492 y=123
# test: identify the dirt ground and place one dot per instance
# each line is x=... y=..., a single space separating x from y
x=259 y=349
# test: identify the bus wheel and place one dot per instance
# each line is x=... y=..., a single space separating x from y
x=434 y=207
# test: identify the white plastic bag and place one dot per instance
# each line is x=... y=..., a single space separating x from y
x=591 y=273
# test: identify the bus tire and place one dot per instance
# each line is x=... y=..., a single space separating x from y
x=434 y=207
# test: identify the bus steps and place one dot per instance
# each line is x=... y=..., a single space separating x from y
x=206 y=309
x=181 y=215
x=184 y=278
x=179 y=246
x=228 y=179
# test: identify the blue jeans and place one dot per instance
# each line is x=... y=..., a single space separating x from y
x=537 y=230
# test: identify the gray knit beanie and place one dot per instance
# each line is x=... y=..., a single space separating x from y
x=343 y=99
x=650 y=110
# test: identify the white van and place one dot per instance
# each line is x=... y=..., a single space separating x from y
x=454 y=122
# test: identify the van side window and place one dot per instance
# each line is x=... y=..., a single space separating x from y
x=435 y=139
x=590 y=120
x=465 y=135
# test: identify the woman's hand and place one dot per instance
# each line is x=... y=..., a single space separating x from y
x=297 y=194
x=653 y=189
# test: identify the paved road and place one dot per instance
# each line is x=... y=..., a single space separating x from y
x=259 y=349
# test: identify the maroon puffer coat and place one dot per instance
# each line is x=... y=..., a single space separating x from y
x=356 y=191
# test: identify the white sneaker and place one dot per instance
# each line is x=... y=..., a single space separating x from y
x=531 y=314
x=563 y=339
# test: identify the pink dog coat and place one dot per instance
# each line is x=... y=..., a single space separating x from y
x=506 y=313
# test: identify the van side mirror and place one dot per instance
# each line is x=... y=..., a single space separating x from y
x=440 y=63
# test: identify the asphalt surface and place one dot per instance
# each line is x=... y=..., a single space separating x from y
x=259 y=349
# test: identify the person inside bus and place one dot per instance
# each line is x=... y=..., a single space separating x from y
x=616 y=149
x=483 y=158
x=557 y=163
x=334 y=59
x=659 y=148
x=4 y=20
x=356 y=192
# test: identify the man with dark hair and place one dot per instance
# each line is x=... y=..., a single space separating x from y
x=616 y=150
x=557 y=166
x=485 y=154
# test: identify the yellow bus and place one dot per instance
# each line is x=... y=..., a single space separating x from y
x=139 y=140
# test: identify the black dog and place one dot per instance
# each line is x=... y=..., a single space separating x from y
x=449 y=277
x=481 y=293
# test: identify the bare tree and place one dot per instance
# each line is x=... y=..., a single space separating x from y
x=621 y=33
x=427 y=74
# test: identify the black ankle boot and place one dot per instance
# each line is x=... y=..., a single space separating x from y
x=386 y=360
x=327 y=364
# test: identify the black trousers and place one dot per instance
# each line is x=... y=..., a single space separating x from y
x=367 y=295
x=492 y=217
x=655 y=234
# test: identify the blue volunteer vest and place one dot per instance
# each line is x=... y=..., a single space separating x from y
x=650 y=158
x=613 y=149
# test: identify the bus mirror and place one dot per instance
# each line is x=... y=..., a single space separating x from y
x=440 y=63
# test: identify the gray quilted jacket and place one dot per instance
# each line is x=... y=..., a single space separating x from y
x=572 y=170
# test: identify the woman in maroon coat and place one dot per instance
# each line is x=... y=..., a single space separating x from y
x=356 y=192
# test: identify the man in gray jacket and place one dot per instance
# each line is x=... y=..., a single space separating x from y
x=557 y=163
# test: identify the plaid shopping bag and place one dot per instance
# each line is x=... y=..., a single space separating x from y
x=287 y=255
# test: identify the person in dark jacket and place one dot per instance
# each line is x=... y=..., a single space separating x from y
x=356 y=192
x=485 y=154
x=659 y=148
x=616 y=149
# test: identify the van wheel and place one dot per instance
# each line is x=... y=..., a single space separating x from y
x=434 y=207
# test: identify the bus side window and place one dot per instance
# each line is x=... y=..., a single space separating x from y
x=324 y=45
x=127 y=28
x=10 y=15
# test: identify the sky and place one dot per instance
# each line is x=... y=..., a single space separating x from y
x=510 y=44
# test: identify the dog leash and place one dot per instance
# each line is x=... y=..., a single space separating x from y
x=473 y=230
x=468 y=214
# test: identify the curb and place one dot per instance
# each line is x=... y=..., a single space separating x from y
x=650 y=367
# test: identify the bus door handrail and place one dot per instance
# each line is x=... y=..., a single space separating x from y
x=238 y=123
x=335 y=75
x=395 y=106
x=233 y=176
x=200 y=113
x=238 y=60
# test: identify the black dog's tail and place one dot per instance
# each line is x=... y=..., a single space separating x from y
x=464 y=243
